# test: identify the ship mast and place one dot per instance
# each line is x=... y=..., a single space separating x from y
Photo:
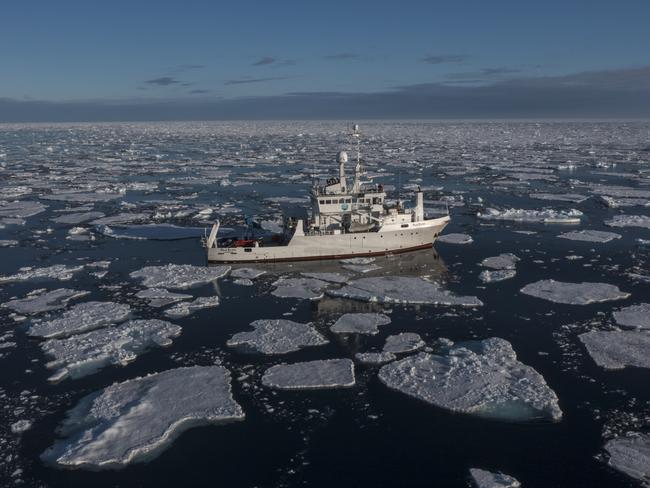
x=356 y=135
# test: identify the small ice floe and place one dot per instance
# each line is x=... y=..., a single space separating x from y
x=83 y=317
x=78 y=218
x=311 y=375
x=277 y=336
x=179 y=275
x=79 y=234
x=21 y=209
x=624 y=202
x=455 y=239
x=634 y=316
x=247 y=273
x=361 y=268
x=84 y=354
x=631 y=455
x=136 y=420
x=123 y=218
x=482 y=378
x=154 y=232
x=560 y=197
x=307 y=288
x=590 y=236
x=243 y=282
x=44 y=301
x=329 y=277
x=160 y=297
x=403 y=342
x=629 y=221
x=55 y=272
x=571 y=216
x=502 y=261
x=618 y=349
x=489 y=276
x=21 y=426
x=184 y=309
x=82 y=197
x=401 y=289
x=375 y=358
x=357 y=260
x=574 y=293
x=486 y=479
x=360 y=323
x=8 y=243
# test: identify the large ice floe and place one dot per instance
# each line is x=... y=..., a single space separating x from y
x=629 y=221
x=574 y=293
x=77 y=218
x=571 y=216
x=178 y=275
x=184 y=309
x=44 y=301
x=305 y=288
x=618 y=349
x=83 y=354
x=487 y=479
x=590 y=236
x=631 y=455
x=482 y=378
x=135 y=420
x=403 y=342
x=82 y=317
x=311 y=375
x=360 y=323
x=160 y=297
x=456 y=239
x=374 y=358
x=277 y=336
x=502 y=267
x=634 y=316
x=401 y=289
x=55 y=272
x=21 y=209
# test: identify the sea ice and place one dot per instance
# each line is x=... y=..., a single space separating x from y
x=55 y=272
x=45 y=301
x=277 y=336
x=635 y=316
x=311 y=375
x=361 y=268
x=123 y=218
x=560 y=197
x=357 y=260
x=20 y=209
x=77 y=218
x=310 y=288
x=401 y=289
x=160 y=297
x=21 y=426
x=631 y=455
x=360 y=323
x=8 y=243
x=375 y=358
x=482 y=378
x=179 y=275
x=403 y=342
x=502 y=261
x=247 y=273
x=456 y=239
x=135 y=420
x=489 y=276
x=590 y=236
x=83 y=317
x=487 y=479
x=82 y=197
x=83 y=354
x=184 y=309
x=618 y=349
x=329 y=277
x=574 y=293
x=523 y=215
x=629 y=221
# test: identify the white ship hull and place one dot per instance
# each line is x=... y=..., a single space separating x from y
x=392 y=239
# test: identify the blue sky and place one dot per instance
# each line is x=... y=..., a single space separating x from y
x=145 y=52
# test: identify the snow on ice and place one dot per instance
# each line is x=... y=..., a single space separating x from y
x=360 y=323
x=311 y=375
x=277 y=336
x=179 y=275
x=574 y=293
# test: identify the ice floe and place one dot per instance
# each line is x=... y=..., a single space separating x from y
x=135 y=420
x=631 y=455
x=77 y=218
x=83 y=354
x=360 y=323
x=590 y=236
x=401 y=289
x=21 y=209
x=502 y=261
x=329 y=277
x=156 y=232
x=482 y=378
x=247 y=273
x=178 y=275
x=8 y=243
x=560 y=197
x=82 y=197
x=55 y=272
x=629 y=221
x=44 y=301
x=82 y=317
x=307 y=288
x=574 y=293
x=160 y=297
x=311 y=375
x=571 y=216
x=403 y=342
x=374 y=358
x=184 y=309
x=618 y=349
x=486 y=479
x=277 y=336
x=456 y=239
x=492 y=276
x=635 y=316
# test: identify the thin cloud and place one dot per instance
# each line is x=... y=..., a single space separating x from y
x=444 y=58
x=243 y=81
x=163 y=81
x=264 y=61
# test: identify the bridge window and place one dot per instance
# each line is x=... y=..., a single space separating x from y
x=328 y=202
x=322 y=202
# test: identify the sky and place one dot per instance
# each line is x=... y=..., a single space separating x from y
x=195 y=59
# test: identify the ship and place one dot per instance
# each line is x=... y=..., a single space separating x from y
x=347 y=220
